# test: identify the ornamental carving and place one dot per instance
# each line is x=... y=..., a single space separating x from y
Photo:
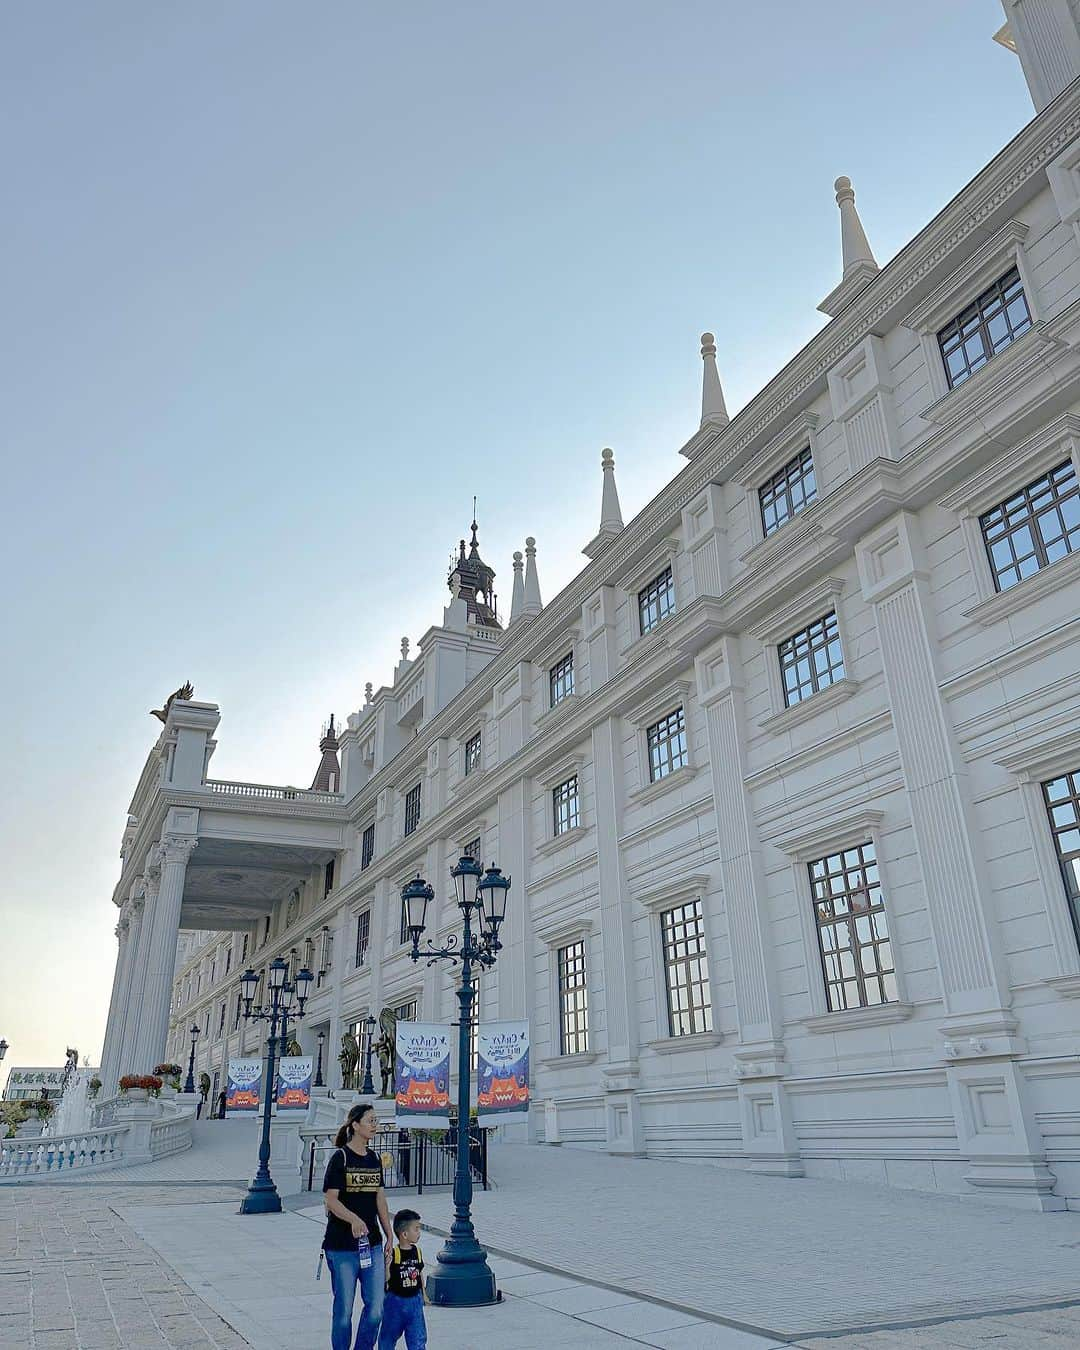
x=176 y=848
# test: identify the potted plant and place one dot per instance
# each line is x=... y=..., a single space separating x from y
x=170 y=1074
x=138 y=1087
x=42 y=1107
x=12 y=1115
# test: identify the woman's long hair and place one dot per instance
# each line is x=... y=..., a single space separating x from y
x=344 y=1135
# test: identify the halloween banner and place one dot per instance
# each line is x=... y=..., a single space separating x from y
x=422 y=1075
x=502 y=1071
x=242 y=1092
x=294 y=1083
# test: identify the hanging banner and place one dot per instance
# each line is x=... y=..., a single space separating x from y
x=242 y=1090
x=502 y=1071
x=422 y=1075
x=294 y=1083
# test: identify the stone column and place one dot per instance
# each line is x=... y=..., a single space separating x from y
x=164 y=922
x=622 y=1110
x=115 y=1020
x=995 y=1122
x=768 y=1132
x=130 y=1007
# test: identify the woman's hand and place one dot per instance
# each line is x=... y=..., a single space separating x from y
x=359 y=1229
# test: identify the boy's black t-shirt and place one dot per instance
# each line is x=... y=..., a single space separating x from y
x=357 y=1178
x=404 y=1276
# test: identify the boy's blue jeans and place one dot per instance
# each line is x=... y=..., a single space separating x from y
x=345 y=1274
x=403 y=1315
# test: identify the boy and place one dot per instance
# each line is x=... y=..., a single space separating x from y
x=403 y=1306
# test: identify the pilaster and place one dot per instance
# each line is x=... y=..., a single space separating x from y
x=995 y=1125
x=132 y=1007
x=164 y=921
x=769 y=1141
x=115 y=1021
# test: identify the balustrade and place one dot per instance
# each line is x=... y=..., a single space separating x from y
x=66 y=1153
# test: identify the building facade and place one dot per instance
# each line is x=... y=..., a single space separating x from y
x=787 y=779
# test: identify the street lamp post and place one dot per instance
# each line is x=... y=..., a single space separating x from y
x=3 y=1048
x=262 y=1196
x=189 y=1086
x=462 y=1277
x=318 y=1067
x=368 y=1085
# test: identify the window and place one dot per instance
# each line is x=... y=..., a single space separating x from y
x=686 y=970
x=472 y=849
x=405 y=935
x=1062 y=796
x=856 y=954
x=564 y=806
x=359 y=1032
x=266 y=929
x=206 y=1023
x=667 y=745
x=406 y=1012
x=656 y=601
x=561 y=679
x=988 y=325
x=326 y=958
x=363 y=935
x=473 y=749
x=213 y=971
x=412 y=808
x=787 y=492
x=221 y=1019
x=328 y=878
x=811 y=660
x=244 y=949
x=367 y=847
x=1034 y=528
x=239 y=1011
x=573 y=1000
x=228 y=960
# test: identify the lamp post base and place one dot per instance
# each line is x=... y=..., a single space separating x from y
x=462 y=1277
x=261 y=1200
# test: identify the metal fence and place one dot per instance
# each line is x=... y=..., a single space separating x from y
x=410 y=1158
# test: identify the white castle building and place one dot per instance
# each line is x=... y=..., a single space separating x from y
x=787 y=778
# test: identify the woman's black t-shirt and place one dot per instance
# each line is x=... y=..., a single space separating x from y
x=357 y=1178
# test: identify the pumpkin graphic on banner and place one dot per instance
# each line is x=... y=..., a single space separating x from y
x=502 y=1071
x=422 y=1075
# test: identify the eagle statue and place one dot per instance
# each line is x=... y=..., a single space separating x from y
x=185 y=691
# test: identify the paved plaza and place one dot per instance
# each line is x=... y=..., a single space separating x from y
x=592 y=1253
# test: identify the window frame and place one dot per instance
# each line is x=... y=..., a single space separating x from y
x=672 y=963
x=367 y=854
x=473 y=754
x=829 y=626
x=953 y=329
x=361 y=958
x=1071 y=778
x=827 y=595
x=579 y=1014
x=784 y=471
x=574 y=806
x=655 y=776
x=557 y=676
x=836 y=988
x=413 y=798
x=1030 y=522
x=668 y=571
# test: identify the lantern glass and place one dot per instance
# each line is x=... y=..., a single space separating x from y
x=494 y=889
x=304 y=980
x=249 y=982
x=416 y=897
x=288 y=992
x=278 y=971
x=466 y=875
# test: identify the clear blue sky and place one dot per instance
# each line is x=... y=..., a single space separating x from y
x=284 y=285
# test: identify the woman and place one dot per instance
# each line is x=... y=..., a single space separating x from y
x=356 y=1209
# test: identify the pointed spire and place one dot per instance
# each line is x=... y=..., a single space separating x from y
x=860 y=265
x=328 y=775
x=533 y=603
x=713 y=408
x=517 y=599
x=611 y=521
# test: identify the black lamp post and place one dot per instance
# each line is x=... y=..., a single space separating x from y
x=368 y=1086
x=318 y=1066
x=262 y=1196
x=189 y=1086
x=3 y=1048
x=462 y=1277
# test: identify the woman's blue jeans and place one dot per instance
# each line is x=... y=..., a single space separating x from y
x=345 y=1274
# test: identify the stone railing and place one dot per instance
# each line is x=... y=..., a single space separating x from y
x=171 y=1135
x=267 y=792
x=66 y=1153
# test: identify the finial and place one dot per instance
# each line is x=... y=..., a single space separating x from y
x=369 y=693
x=611 y=521
x=533 y=603
x=404 y=648
x=713 y=408
x=517 y=599
x=330 y=732
x=857 y=253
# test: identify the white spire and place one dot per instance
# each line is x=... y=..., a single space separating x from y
x=533 y=603
x=713 y=407
x=611 y=521
x=517 y=600
x=860 y=265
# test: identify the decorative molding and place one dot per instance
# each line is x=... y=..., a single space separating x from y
x=658 y=704
x=797 y=613
x=672 y=891
x=796 y=436
x=674 y=1045
x=581 y=1061
x=659 y=786
x=979 y=270
x=556 y=932
x=566 y=767
x=806 y=708
x=880 y=1015
x=1045 y=581
x=807 y=843
x=561 y=841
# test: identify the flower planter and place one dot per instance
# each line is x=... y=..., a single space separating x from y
x=167 y=1091
x=135 y=1094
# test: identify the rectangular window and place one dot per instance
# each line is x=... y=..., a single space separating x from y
x=412 y=808
x=213 y=971
x=1035 y=527
x=406 y=1012
x=1062 y=796
x=266 y=928
x=328 y=878
x=363 y=935
x=686 y=970
x=667 y=745
x=573 y=1000
x=561 y=679
x=564 y=806
x=359 y=1030
x=473 y=749
x=239 y=1011
x=221 y=1020
x=228 y=960
x=787 y=492
x=206 y=1023
x=988 y=325
x=404 y=935
x=811 y=660
x=244 y=948
x=472 y=849
x=856 y=955
x=656 y=601
x=367 y=847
